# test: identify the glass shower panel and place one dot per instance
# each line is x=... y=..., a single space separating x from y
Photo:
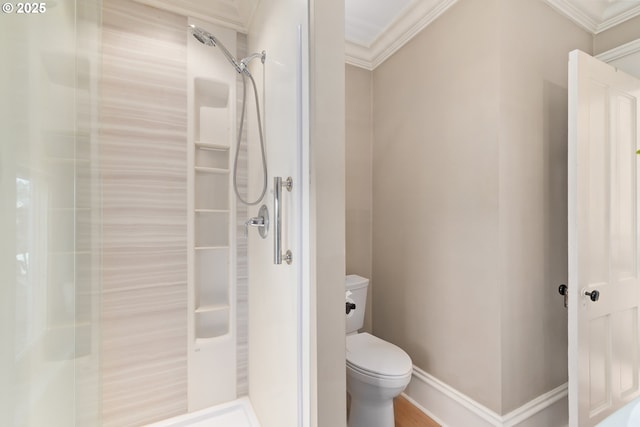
x=276 y=372
x=48 y=358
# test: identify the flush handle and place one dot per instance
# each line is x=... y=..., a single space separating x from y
x=350 y=306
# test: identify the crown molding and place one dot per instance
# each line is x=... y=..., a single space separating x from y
x=573 y=13
x=620 y=51
x=420 y=13
x=413 y=20
x=619 y=19
x=358 y=56
x=582 y=19
x=416 y=17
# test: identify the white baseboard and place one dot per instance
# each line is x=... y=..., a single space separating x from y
x=450 y=408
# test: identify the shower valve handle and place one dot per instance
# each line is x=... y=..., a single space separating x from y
x=256 y=221
x=261 y=222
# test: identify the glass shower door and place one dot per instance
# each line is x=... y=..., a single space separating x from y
x=276 y=291
x=48 y=357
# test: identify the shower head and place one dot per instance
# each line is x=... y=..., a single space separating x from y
x=203 y=36
x=209 y=39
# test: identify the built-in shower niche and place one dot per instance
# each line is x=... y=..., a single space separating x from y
x=212 y=209
x=212 y=294
x=212 y=111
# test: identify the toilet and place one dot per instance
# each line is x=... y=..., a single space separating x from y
x=377 y=371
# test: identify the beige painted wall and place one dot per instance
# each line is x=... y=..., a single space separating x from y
x=469 y=198
x=533 y=196
x=327 y=216
x=435 y=200
x=616 y=36
x=359 y=139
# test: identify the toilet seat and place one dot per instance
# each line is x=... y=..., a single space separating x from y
x=370 y=356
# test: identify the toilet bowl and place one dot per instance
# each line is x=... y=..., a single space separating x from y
x=377 y=371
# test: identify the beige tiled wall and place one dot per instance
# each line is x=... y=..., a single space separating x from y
x=242 y=268
x=143 y=170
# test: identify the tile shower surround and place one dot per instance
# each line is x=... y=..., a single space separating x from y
x=143 y=166
x=143 y=156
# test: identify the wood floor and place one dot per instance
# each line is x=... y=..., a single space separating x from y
x=405 y=414
x=408 y=415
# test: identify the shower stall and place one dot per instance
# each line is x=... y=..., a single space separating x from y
x=137 y=286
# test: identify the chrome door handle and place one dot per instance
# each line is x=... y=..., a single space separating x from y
x=278 y=256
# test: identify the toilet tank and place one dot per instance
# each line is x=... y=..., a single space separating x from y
x=356 y=292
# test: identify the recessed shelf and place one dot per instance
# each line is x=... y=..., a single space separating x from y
x=214 y=124
x=211 y=229
x=212 y=304
x=211 y=146
x=211 y=93
x=212 y=210
x=211 y=158
x=211 y=170
x=212 y=323
x=207 y=248
x=213 y=307
x=212 y=279
x=211 y=191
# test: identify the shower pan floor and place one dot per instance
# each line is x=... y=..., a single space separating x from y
x=237 y=413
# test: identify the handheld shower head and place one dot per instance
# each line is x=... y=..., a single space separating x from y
x=209 y=39
x=203 y=36
x=241 y=67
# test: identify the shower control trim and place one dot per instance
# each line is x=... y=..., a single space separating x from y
x=261 y=222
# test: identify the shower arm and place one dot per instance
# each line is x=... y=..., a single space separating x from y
x=244 y=62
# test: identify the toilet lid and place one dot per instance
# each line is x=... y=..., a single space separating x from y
x=377 y=357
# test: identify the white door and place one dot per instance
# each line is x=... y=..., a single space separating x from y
x=604 y=239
